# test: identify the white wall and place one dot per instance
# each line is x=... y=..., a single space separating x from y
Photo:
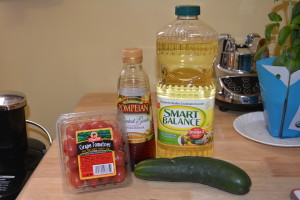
x=55 y=51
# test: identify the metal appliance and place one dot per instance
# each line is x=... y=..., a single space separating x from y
x=235 y=71
x=19 y=155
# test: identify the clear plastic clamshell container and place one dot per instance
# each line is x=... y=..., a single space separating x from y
x=94 y=151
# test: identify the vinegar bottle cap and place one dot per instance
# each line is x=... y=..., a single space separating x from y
x=132 y=55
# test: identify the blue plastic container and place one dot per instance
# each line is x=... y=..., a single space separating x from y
x=280 y=105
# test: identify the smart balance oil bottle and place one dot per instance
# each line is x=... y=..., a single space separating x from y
x=186 y=50
x=134 y=100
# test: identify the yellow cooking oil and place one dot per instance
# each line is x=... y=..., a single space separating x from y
x=185 y=93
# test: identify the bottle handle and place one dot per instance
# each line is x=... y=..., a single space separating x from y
x=41 y=127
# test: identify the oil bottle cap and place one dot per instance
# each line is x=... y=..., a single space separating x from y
x=132 y=55
x=12 y=100
x=187 y=10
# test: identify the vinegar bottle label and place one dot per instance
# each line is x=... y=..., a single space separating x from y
x=185 y=122
x=138 y=116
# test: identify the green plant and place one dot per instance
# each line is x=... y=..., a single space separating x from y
x=288 y=37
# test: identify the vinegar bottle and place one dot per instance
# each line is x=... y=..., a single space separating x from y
x=186 y=50
x=134 y=100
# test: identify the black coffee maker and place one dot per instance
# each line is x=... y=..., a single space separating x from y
x=19 y=155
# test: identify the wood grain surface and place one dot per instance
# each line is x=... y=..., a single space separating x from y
x=274 y=171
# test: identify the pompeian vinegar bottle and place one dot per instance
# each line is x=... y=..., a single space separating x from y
x=186 y=50
x=134 y=100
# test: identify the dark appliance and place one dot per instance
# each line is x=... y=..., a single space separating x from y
x=19 y=155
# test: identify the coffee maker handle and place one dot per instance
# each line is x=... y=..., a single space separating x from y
x=41 y=127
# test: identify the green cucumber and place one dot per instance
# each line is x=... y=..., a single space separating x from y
x=209 y=171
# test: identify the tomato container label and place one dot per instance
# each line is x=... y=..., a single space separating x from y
x=138 y=116
x=185 y=122
x=95 y=151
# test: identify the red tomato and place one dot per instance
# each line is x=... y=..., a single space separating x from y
x=65 y=146
x=84 y=126
x=117 y=138
x=120 y=158
x=100 y=124
x=93 y=182
x=74 y=179
x=73 y=163
x=71 y=130
x=120 y=176
x=70 y=148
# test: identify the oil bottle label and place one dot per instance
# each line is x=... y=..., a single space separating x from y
x=185 y=122
x=138 y=116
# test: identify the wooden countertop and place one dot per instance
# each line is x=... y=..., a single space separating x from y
x=274 y=171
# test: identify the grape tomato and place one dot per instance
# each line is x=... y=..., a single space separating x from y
x=120 y=157
x=94 y=182
x=121 y=172
x=100 y=124
x=117 y=138
x=94 y=151
x=73 y=163
x=71 y=130
x=74 y=179
x=84 y=126
x=70 y=147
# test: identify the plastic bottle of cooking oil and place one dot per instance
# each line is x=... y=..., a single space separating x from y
x=134 y=100
x=186 y=49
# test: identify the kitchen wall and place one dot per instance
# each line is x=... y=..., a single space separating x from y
x=55 y=51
